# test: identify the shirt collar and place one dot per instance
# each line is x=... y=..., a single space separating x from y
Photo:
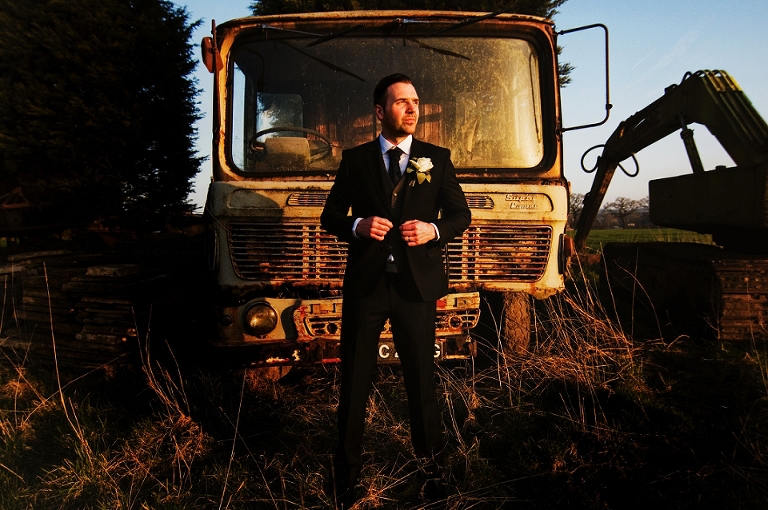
x=405 y=145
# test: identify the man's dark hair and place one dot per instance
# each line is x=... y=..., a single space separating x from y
x=385 y=83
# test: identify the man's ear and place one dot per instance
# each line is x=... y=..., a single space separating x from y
x=379 y=112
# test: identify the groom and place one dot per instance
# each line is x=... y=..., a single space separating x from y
x=396 y=186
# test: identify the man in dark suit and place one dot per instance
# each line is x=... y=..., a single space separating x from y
x=396 y=186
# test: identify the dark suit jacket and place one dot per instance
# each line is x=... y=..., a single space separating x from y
x=360 y=185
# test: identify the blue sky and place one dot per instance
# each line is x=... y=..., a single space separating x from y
x=653 y=43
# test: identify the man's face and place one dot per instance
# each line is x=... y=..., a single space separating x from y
x=400 y=112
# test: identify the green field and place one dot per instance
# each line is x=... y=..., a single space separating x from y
x=597 y=238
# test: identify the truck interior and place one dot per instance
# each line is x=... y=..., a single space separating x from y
x=296 y=105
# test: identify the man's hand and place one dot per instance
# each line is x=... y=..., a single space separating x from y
x=373 y=227
x=417 y=232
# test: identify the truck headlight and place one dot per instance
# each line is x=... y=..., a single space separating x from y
x=260 y=319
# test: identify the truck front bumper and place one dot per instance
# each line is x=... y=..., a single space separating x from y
x=309 y=331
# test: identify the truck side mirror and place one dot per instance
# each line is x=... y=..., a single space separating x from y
x=208 y=52
x=608 y=104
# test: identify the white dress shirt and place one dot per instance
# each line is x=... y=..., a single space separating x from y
x=404 y=146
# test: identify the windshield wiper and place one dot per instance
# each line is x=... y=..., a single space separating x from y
x=334 y=35
x=470 y=21
x=323 y=62
x=320 y=38
x=279 y=29
x=437 y=50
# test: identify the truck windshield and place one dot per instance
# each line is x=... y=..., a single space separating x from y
x=296 y=107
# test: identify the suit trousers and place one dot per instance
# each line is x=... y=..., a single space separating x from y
x=413 y=332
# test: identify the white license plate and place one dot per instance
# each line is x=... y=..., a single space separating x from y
x=388 y=354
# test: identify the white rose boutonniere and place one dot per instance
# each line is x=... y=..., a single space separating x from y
x=421 y=166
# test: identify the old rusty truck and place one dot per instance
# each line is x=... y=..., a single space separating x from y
x=292 y=91
x=720 y=289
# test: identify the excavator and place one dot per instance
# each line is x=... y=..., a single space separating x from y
x=718 y=289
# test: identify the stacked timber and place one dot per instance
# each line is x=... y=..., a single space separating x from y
x=82 y=308
x=92 y=295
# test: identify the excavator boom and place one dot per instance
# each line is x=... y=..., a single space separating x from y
x=711 y=98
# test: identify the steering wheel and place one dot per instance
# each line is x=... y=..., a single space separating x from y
x=315 y=154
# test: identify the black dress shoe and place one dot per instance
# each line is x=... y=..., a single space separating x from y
x=435 y=486
x=345 y=485
x=347 y=500
x=346 y=494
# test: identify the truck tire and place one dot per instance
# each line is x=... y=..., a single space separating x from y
x=516 y=322
x=258 y=375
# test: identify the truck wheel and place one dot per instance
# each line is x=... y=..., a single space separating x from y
x=516 y=322
x=259 y=375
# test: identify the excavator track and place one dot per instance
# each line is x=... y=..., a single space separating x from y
x=687 y=288
x=744 y=287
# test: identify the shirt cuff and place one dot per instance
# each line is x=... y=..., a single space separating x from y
x=354 y=228
x=437 y=232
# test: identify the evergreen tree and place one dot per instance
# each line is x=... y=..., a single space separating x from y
x=97 y=108
x=543 y=8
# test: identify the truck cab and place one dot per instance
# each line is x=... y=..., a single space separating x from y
x=292 y=91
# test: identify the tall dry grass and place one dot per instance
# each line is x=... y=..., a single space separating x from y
x=586 y=418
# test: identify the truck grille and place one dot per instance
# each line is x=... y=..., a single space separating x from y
x=485 y=253
x=318 y=198
x=297 y=253
x=307 y=199
x=306 y=253
x=479 y=201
